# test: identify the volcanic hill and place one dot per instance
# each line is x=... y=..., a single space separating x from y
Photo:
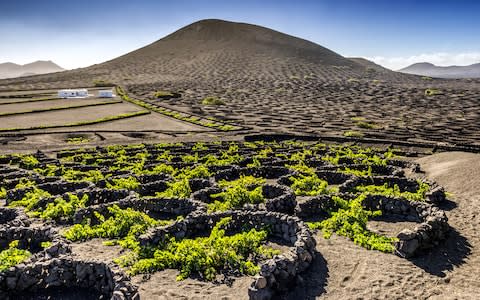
x=215 y=50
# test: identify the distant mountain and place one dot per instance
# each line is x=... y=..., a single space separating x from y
x=11 y=70
x=428 y=69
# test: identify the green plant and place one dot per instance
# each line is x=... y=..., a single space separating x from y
x=45 y=245
x=394 y=191
x=102 y=83
x=308 y=185
x=77 y=140
x=212 y=101
x=29 y=161
x=359 y=173
x=432 y=92
x=90 y=175
x=123 y=224
x=351 y=221
x=177 y=189
x=206 y=256
x=246 y=189
x=12 y=256
x=31 y=198
x=25 y=183
x=62 y=209
x=163 y=94
x=3 y=192
x=353 y=133
x=129 y=183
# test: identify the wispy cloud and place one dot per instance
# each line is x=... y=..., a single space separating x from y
x=439 y=59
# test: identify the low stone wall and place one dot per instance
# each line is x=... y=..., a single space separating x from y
x=13 y=217
x=401 y=208
x=377 y=170
x=315 y=207
x=64 y=272
x=99 y=196
x=428 y=234
x=277 y=274
x=432 y=228
x=333 y=177
x=31 y=239
x=405 y=184
x=279 y=198
x=61 y=187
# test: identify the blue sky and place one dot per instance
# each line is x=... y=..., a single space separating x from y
x=393 y=33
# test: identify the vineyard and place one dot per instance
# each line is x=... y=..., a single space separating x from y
x=209 y=210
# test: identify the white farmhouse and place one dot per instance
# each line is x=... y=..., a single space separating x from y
x=105 y=94
x=73 y=93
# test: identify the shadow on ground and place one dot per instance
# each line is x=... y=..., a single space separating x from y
x=452 y=253
x=447 y=205
x=312 y=283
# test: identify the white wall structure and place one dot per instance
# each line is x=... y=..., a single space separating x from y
x=105 y=94
x=73 y=93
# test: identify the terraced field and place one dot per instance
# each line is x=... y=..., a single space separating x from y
x=232 y=218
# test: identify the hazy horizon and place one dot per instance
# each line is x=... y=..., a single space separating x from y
x=394 y=35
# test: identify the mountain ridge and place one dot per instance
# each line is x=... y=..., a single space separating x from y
x=12 y=70
x=429 y=69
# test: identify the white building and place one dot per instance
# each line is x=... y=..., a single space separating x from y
x=73 y=93
x=105 y=94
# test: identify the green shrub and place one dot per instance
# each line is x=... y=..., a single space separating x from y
x=28 y=161
x=394 y=191
x=128 y=183
x=165 y=94
x=61 y=208
x=353 y=133
x=351 y=221
x=12 y=256
x=77 y=140
x=432 y=92
x=31 y=198
x=102 y=83
x=308 y=185
x=246 y=189
x=177 y=189
x=205 y=256
x=212 y=101
x=123 y=224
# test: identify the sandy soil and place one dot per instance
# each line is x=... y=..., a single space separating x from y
x=19 y=107
x=66 y=117
x=351 y=272
x=151 y=122
x=163 y=286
